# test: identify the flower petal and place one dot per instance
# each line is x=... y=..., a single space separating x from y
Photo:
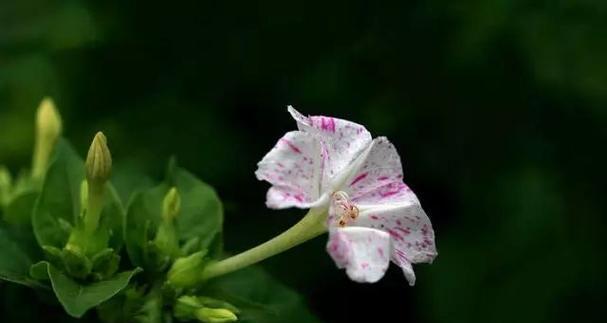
x=293 y=167
x=377 y=176
x=409 y=228
x=341 y=141
x=363 y=252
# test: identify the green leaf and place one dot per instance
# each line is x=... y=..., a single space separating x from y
x=14 y=260
x=19 y=210
x=142 y=220
x=260 y=297
x=60 y=197
x=78 y=298
x=201 y=209
x=200 y=219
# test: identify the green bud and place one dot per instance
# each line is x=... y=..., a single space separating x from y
x=105 y=263
x=186 y=271
x=98 y=160
x=98 y=171
x=171 y=205
x=192 y=307
x=216 y=303
x=48 y=130
x=6 y=184
x=76 y=263
x=166 y=241
x=185 y=306
x=215 y=315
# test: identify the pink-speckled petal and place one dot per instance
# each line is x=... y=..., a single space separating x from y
x=407 y=270
x=377 y=176
x=293 y=168
x=341 y=141
x=409 y=228
x=363 y=252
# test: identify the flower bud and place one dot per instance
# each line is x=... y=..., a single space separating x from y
x=98 y=160
x=215 y=315
x=105 y=263
x=192 y=307
x=171 y=205
x=76 y=263
x=48 y=120
x=185 y=307
x=216 y=303
x=166 y=241
x=48 y=130
x=186 y=271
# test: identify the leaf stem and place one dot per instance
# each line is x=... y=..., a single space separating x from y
x=311 y=226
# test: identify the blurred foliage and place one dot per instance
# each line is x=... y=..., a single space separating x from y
x=497 y=107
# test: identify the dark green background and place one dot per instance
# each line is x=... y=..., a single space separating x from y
x=498 y=108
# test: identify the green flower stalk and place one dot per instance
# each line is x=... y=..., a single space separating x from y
x=311 y=226
x=48 y=131
x=98 y=170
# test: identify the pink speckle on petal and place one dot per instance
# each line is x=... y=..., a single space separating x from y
x=380 y=251
x=291 y=145
x=334 y=247
x=359 y=178
x=374 y=217
x=388 y=194
x=395 y=234
x=327 y=123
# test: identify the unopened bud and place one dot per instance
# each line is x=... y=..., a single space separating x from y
x=171 y=205
x=185 y=307
x=48 y=130
x=215 y=315
x=186 y=271
x=192 y=307
x=98 y=160
x=48 y=120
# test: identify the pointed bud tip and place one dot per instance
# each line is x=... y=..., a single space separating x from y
x=48 y=120
x=99 y=159
x=171 y=204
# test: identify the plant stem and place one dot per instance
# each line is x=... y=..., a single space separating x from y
x=94 y=207
x=311 y=226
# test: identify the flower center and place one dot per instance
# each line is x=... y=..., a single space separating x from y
x=344 y=209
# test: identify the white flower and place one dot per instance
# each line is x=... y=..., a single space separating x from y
x=373 y=216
